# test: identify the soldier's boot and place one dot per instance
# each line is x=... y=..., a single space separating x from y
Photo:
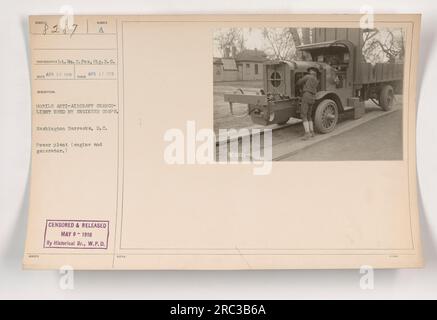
x=307 y=134
x=311 y=125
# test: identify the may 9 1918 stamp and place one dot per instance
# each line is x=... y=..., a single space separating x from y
x=76 y=234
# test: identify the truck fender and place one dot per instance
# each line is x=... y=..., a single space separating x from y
x=322 y=95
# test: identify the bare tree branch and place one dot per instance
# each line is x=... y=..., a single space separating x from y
x=228 y=38
x=384 y=45
x=280 y=43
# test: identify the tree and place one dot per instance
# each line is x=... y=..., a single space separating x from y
x=227 y=38
x=280 y=44
x=383 y=45
x=295 y=35
x=306 y=37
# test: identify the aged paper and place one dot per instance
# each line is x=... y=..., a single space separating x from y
x=138 y=161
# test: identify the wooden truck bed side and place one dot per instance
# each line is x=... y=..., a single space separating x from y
x=381 y=72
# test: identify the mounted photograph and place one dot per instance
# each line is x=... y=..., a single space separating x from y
x=326 y=94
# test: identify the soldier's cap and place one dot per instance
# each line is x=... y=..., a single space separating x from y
x=313 y=69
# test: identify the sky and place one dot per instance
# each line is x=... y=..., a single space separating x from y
x=253 y=39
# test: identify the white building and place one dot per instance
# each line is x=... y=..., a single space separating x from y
x=245 y=65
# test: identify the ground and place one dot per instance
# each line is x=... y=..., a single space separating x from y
x=380 y=138
x=375 y=136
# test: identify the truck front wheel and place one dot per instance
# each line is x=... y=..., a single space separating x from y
x=386 y=97
x=326 y=116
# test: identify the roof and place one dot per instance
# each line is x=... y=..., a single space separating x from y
x=229 y=64
x=252 y=55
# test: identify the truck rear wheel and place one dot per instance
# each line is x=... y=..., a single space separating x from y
x=326 y=116
x=386 y=97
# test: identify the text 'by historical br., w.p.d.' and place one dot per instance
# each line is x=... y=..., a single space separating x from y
x=223 y=142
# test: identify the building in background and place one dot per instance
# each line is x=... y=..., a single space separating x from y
x=250 y=64
x=241 y=66
x=225 y=69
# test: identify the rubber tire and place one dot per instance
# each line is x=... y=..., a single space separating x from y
x=386 y=97
x=318 y=121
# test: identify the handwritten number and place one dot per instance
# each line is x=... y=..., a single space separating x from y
x=55 y=29
x=74 y=29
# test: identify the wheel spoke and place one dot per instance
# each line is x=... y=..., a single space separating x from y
x=328 y=117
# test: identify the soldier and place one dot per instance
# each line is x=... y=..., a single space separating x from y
x=309 y=90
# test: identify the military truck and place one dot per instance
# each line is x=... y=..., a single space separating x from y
x=346 y=81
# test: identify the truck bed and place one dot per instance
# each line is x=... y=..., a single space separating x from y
x=380 y=72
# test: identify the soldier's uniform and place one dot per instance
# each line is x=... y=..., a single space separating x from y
x=309 y=90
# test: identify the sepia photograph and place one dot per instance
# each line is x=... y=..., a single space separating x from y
x=323 y=94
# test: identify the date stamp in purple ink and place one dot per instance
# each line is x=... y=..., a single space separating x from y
x=76 y=234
